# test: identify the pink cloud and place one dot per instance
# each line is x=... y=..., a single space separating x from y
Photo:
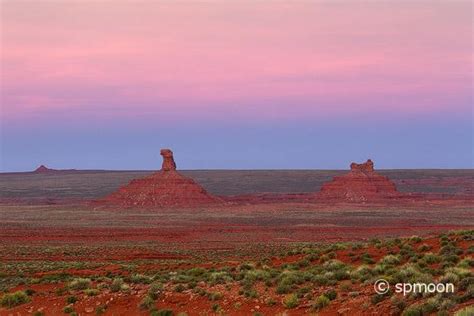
x=202 y=57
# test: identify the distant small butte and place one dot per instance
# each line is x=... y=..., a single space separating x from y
x=44 y=169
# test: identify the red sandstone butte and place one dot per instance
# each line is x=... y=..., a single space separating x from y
x=166 y=187
x=43 y=169
x=361 y=184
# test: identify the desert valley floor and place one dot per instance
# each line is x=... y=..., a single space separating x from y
x=266 y=249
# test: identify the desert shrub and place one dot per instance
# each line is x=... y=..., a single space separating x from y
x=290 y=301
x=220 y=277
x=375 y=241
x=445 y=304
x=468 y=311
x=102 y=286
x=251 y=293
x=200 y=291
x=321 y=302
x=450 y=249
x=331 y=294
x=412 y=310
x=30 y=292
x=312 y=257
x=140 y=279
x=256 y=275
x=356 y=246
x=162 y=312
x=54 y=278
x=410 y=273
x=155 y=290
x=431 y=258
x=334 y=265
x=354 y=293
x=283 y=288
x=91 y=292
x=196 y=271
x=415 y=239
x=116 y=285
x=179 y=288
x=291 y=278
x=71 y=299
x=68 y=309
x=303 y=263
x=246 y=266
x=320 y=280
x=460 y=272
x=379 y=268
x=216 y=307
x=214 y=296
x=430 y=306
x=270 y=301
x=125 y=288
x=390 y=260
x=377 y=298
x=398 y=303
x=450 y=258
x=449 y=277
x=361 y=273
x=341 y=275
x=366 y=258
x=60 y=291
x=302 y=291
x=424 y=248
x=147 y=302
x=38 y=313
x=99 y=310
x=466 y=263
x=79 y=284
x=466 y=283
x=14 y=299
x=346 y=286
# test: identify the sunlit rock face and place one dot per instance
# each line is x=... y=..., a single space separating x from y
x=362 y=183
x=166 y=187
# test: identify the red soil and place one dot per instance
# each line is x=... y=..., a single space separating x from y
x=47 y=299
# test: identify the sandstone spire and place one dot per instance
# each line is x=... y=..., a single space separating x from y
x=164 y=188
x=168 y=160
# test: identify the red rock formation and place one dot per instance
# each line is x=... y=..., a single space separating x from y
x=43 y=169
x=166 y=187
x=168 y=160
x=362 y=183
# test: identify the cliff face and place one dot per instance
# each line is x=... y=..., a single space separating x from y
x=166 y=187
x=362 y=183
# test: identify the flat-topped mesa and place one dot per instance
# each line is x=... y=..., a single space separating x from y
x=168 y=160
x=361 y=184
x=164 y=188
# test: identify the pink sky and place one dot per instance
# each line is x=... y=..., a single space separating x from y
x=235 y=57
x=236 y=84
